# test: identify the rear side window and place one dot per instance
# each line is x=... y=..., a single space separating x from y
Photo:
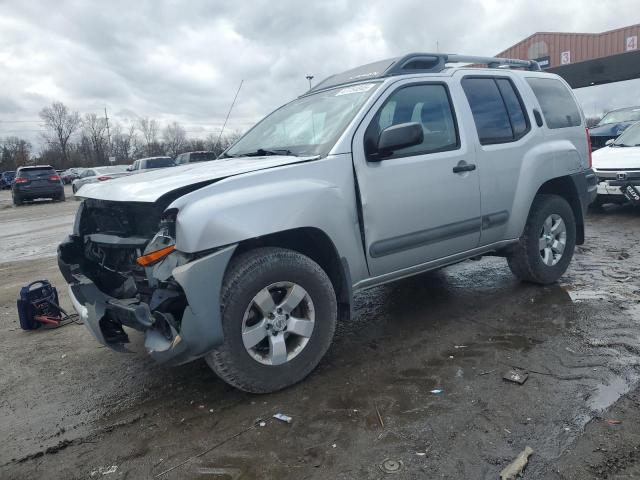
x=34 y=173
x=497 y=109
x=558 y=106
x=428 y=105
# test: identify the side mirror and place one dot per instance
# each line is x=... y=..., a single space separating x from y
x=609 y=142
x=399 y=136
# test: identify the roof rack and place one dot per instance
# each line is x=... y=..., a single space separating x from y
x=418 y=63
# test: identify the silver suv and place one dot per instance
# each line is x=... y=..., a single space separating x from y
x=382 y=172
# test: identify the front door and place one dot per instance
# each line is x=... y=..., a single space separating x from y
x=418 y=203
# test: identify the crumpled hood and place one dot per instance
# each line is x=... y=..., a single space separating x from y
x=150 y=186
x=620 y=158
x=610 y=129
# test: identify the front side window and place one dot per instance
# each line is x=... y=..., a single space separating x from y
x=558 y=106
x=497 y=110
x=428 y=105
x=310 y=125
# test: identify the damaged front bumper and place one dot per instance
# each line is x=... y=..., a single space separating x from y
x=197 y=332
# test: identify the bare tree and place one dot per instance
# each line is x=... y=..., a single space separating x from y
x=149 y=129
x=175 y=138
x=124 y=143
x=95 y=128
x=61 y=124
x=218 y=144
x=15 y=152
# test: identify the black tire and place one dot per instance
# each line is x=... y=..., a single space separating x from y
x=247 y=274
x=61 y=198
x=525 y=259
x=17 y=201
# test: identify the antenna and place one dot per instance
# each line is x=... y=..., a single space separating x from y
x=228 y=113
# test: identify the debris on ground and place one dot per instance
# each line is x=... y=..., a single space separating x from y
x=262 y=424
x=104 y=470
x=516 y=376
x=379 y=416
x=391 y=466
x=611 y=421
x=283 y=418
x=515 y=468
x=459 y=346
x=487 y=372
x=437 y=391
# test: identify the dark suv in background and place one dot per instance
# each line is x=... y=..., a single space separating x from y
x=6 y=178
x=40 y=181
x=192 y=157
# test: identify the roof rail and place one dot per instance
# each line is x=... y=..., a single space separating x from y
x=417 y=63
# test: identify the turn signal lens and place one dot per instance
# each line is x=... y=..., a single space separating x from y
x=21 y=180
x=54 y=178
x=104 y=177
x=153 y=257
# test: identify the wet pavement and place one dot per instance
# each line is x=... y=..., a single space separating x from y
x=70 y=409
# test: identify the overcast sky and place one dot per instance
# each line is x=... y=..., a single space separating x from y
x=184 y=60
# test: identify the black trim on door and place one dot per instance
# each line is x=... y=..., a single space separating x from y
x=424 y=237
x=430 y=236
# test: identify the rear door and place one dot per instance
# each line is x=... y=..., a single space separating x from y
x=415 y=207
x=503 y=137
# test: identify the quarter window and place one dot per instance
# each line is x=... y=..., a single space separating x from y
x=428 y=105
x=497 y=110
x=558 y=106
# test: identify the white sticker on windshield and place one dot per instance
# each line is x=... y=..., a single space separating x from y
x=365 y=87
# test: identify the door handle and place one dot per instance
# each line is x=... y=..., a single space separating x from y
x=464 y=167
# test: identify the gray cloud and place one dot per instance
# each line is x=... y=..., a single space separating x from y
x=183 y=61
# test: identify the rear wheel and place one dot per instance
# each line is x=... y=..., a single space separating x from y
x=546 y=247
x=17 y=200
x=279 y=315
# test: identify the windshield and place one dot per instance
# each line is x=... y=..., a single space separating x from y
x=630 y=137
x=159 y=162
x=630 y=115
x=307 y=126
x=35 y=173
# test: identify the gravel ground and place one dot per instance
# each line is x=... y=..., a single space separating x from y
x=71 y=409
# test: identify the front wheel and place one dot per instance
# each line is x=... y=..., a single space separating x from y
x=279 y=315
x=546 y=247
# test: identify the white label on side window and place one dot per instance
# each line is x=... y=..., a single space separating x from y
x=356 y=89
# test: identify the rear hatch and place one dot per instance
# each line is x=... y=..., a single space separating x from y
x=38 y=179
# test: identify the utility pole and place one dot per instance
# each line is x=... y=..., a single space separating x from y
x=106 y=119
x=309 y=77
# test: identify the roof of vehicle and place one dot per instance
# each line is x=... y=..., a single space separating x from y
x=623 y=109
x=153 y=158
x=416 y=63
x=35 y=167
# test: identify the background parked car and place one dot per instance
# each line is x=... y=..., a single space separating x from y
x=151 y=162
x=70 y=175
x=613 y=124
x=99 y=174
x=191 y=157
x=6 y=178
x=40 y=181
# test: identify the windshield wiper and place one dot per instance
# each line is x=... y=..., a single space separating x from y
x=263 y=152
